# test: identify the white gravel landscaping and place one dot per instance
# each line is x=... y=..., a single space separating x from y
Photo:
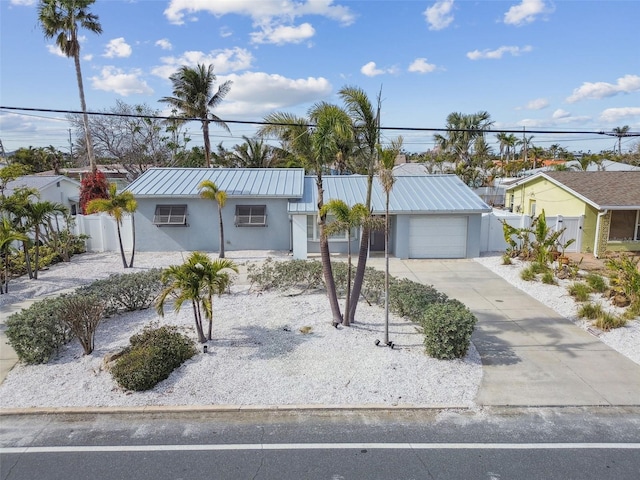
x=258 y=356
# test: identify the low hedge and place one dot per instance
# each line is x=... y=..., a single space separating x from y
x=447 y=328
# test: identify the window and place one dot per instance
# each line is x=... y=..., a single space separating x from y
x=313 y=230
x=251 y=216
x=625 y=225
x=174 y=215
x=532 y=208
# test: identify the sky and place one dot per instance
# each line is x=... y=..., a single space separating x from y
x=531 y=64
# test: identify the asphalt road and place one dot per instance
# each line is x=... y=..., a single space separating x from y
x=580 y=443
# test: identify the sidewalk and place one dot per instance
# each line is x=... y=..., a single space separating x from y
x=531 y=356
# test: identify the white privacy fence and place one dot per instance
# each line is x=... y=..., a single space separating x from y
x=103 y=236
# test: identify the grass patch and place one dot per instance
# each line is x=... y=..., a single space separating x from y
x=596 y=282
x=590 y=311
x=528 y=274
x=548 y=278
x=607 y=321
x=580 y=291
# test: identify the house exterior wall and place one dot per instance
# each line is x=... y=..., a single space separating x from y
x=60 y=192
x=547 y=196
x=202 y=230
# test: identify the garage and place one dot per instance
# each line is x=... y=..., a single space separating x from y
x=438 y=236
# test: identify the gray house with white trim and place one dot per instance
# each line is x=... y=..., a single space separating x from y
x=432 y=216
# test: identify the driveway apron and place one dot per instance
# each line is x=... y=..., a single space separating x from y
x=531 y=356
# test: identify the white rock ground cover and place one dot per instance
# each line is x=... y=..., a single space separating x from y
x=258 y=355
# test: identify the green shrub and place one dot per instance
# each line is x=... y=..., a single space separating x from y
x=37 y=332
x=151 y=357
x=447 y=328
x=410 y=299
x=528 y=274
x=537 y=267
x=590 y=311
x=284 y=275
x=506 y=259
x=606 y=321
x=580 y=291
x=373 y=286
x=596 y=282
x=625 y=277
x=126 y=292
x=548 y=278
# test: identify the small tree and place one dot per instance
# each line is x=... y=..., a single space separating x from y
x=210 y=191
x=93 y=185
x=8 y=235
x=197 y=280
x=116 y=205
x=82 y=315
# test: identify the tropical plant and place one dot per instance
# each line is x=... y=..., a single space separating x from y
x=8 y=235
x=38 y=214
x=345 y=220
x=462 y=132
x=621 y=132
x=196 y=281
x=61 y=19
x=193 y=97
x=253 y=153
x=116 y=205
x=93 y=185
x=210 y=191
x=387 y=159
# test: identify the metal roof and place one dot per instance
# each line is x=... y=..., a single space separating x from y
x=236 y=182
x=410 y=194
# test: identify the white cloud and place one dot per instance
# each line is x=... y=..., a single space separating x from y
x=439 y=14
x=371 y=70
x=498 y=53
x=164 y=44
x=55 y=50
x=88 y=57
x=537 y=104
x=23 y=2
x=282 y=34
x=420 y=65
x=226 y=32
x=589 y=90
x=525 y=12
x=256 y=93
x=559 y=117
x=617 y=114
x=223 y=61
x=114 y=79
x=560 y=113
x=117 y=48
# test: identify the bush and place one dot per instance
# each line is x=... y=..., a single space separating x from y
x=528 y=274
x=548 y=278
x=126 y=292
x=37 y=332
x=596 y=282
x=606 y=321
x=447 y=329
x=590 y=311
x=82 y=315
x=580 y=291
x=151 y=357
x=284 y=275
x=625 y=277
x=410 y=299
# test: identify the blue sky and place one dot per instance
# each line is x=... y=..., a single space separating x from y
x=532 y=64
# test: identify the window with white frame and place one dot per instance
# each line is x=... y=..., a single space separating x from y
x=313 y=230
x=251 y=215
x=170 y=215
x=625 y=225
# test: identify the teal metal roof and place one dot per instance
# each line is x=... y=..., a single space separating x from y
x=236 y=182
x=410 y=194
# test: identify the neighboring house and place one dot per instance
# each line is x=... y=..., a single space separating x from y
x=602 y=166
x=608 y=202
x=52 y=188
x=433 y=216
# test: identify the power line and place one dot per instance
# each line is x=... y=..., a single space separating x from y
x=260 y=122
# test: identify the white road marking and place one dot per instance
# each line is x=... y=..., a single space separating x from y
x=321 y=446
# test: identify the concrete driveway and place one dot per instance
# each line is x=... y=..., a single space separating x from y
x=531 y=356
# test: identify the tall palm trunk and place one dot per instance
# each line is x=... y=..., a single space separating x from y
x=133 y=239
x=386 y=272
x=37 y=257
x=85 y=117
x=347 y=317
x=325 y=256
x=124 y=259
x=207 y=143
x=221 y=255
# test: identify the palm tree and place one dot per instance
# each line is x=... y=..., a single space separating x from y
x=385 y=176
x=253 y=153
x=60 y=19
x=316 y=147
x=116 y=206
x=193 y=97
x=365 y=122
x=345 y=220
x=196 y=281
x=37 y=214
x=210 y=191
x=8 y=235
x=620 y=132
x=462 y=132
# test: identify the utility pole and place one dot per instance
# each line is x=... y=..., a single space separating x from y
x=70 y=147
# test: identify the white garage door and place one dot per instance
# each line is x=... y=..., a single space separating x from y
x=437 y=237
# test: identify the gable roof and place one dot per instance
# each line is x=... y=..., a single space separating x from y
x=236 y=182
x=410 y=194
x=39 y=182
x=602 y=190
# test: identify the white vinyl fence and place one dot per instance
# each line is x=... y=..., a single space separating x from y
x=102 y=232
